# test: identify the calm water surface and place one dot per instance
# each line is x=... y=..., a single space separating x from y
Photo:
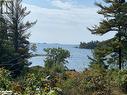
x=78 y=59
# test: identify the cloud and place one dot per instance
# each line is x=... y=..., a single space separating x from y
x=63 y=26
x=62 y=4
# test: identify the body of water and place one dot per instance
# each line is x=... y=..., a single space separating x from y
x=78 y=59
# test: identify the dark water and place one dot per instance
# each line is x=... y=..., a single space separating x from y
x=78 y=59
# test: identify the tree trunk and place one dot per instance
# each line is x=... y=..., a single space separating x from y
x=120 y=52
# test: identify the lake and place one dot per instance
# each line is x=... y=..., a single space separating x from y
x=78 y=59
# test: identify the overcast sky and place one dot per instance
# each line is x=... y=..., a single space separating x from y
x=63 y=21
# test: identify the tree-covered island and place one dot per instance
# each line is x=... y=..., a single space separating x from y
x=88 y=45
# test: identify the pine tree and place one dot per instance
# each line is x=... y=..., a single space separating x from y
x=5 y=47
x=18 y=36
x=115 y=20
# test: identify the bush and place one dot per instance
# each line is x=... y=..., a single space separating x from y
x=96 y=81
x=5 y=79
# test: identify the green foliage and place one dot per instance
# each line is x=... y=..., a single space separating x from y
x=89 y=45
x=115 y=18
x=56 y=59
x=71 y=87
x=14 y=44
x=6 y=50
x=52 y=92
x=5 y=79
x=33 y=83
x=55 y=79
x=96 y=81
x=19 y=36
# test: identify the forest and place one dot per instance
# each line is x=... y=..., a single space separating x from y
x=106 y=74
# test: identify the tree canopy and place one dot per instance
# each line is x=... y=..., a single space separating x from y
x=56 y=59
x=115 y=20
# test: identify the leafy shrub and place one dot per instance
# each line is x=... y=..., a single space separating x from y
x=5 y=79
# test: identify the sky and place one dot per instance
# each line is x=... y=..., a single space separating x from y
x=63 y=21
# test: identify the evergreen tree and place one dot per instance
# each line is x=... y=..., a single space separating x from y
x=17 y=36
x=115 y=20
x=5 y=47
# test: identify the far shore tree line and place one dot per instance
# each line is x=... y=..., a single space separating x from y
x=88 y=45
x=107 y=71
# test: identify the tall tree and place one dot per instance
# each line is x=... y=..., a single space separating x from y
x=5 y=47
x=115 y=20
x=17 y=34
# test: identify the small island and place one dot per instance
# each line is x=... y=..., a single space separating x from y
x=88 y=45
